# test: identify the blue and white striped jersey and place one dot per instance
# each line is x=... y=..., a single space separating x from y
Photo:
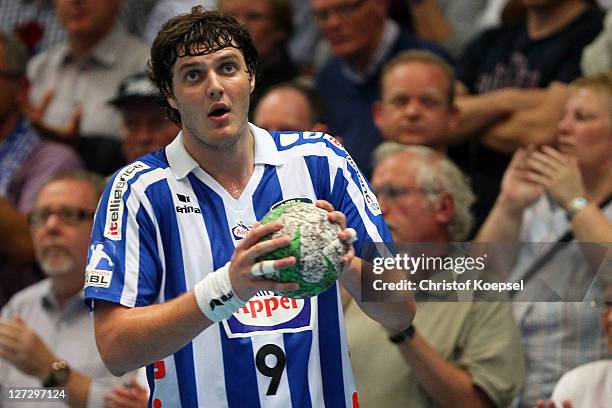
x=163 y=223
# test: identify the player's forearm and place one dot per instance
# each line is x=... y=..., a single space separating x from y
x=446 y=384
x=395 y=316
x=132 y=338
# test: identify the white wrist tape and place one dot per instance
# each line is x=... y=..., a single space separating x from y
x=215 y=296
x=263 y=268
x=353 y=236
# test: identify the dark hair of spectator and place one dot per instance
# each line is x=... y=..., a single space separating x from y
x=315 y=102
x=282 y=16
x=199 y=32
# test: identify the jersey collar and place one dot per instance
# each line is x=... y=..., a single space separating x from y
x=181 y=163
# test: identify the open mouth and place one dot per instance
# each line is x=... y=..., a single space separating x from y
x=218 y=113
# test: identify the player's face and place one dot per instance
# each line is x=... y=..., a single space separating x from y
x=352 y=27
x=414 y=106
x=60 y=236
x=211 y=92
x=145 y=128
x=87 y=17
x=257 y=16
x=585 y=131
x=410 y=216
x=283 y=109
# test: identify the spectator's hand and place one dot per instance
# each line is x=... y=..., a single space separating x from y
x=36 y=113
x=558 y=173
x=551 y=404
x=517 y=190
x=347 y=236
x=131 y=396
x=243 y=282
x=22 y=347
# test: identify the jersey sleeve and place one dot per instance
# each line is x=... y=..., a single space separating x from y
x=123 y=262
x=351 y=194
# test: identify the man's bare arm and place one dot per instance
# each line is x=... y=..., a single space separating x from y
x=479 y=112
x=536 y=123
x=129 y=338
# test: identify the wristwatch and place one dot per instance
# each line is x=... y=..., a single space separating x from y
x=60 y=371
x=575 y=206
x=400 y=337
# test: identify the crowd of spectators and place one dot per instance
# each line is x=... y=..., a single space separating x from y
x=505 y=104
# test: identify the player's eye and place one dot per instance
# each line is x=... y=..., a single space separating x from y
x=229 y=68
x=192 y=76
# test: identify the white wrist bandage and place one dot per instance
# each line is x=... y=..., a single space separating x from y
x=215 y=296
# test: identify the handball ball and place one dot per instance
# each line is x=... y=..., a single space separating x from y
x=315 y=246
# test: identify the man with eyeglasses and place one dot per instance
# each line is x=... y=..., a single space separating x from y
x=26 y=161
x=46 y=333
x=362 y=39
x=464 y=354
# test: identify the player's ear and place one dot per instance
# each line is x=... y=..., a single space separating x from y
x=252 y=82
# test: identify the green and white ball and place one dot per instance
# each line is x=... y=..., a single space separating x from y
x=315 y=246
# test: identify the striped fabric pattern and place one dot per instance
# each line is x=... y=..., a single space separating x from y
x=164 y=223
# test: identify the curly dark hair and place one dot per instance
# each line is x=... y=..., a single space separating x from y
x=199 y=32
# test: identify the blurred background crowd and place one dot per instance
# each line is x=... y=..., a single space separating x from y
x=474 y=120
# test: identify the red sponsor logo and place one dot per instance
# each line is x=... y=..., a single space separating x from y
x=265 y=307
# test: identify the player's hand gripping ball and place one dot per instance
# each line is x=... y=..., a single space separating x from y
x=315 y=246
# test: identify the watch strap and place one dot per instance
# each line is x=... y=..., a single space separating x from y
x=400 y=337
x=59 y=374
x=576 y=205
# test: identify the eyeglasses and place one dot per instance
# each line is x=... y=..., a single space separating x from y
x=341 y=10
x=394 y=192
x=67 y=215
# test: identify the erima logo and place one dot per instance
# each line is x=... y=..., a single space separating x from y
x=220 y=302
x=183 y=198
x=186 y=209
